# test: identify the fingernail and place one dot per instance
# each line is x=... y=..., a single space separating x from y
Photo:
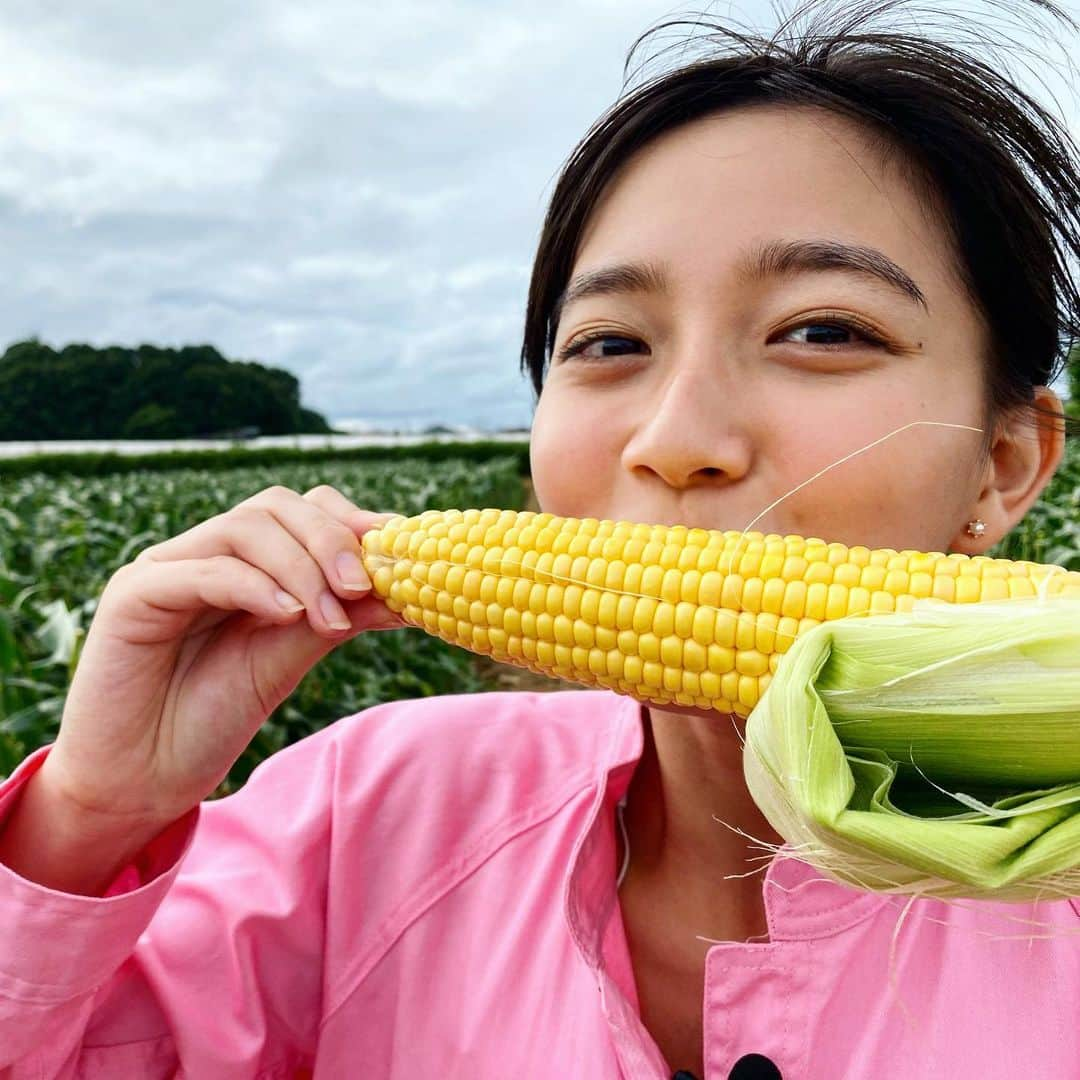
x=351 y=572
x=333 y=612
x=289 y=602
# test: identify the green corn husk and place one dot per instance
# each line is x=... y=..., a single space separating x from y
x=935 y=752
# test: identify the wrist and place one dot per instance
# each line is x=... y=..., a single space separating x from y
x=57 y=843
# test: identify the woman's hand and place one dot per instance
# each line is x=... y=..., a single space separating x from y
x=191 y=649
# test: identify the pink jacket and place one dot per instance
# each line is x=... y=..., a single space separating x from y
x=428 y=889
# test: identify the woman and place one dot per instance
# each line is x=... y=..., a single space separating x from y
x=751 y=266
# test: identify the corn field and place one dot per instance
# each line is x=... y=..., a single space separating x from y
x=61 y=539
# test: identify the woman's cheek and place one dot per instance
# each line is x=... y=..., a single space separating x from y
x=845 y=503
x=572 y=458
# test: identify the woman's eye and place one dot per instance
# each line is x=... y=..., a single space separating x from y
x=577 y=347
x=831 y=332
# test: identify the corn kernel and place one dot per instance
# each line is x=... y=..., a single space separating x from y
x=665 y=613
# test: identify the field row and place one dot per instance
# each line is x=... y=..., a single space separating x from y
x=62 y=538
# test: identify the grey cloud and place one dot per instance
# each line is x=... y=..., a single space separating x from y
x=348 y=190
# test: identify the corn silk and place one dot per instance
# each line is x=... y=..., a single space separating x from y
x=932 y=753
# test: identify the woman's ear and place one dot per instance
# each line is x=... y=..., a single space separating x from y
x=1023 y=459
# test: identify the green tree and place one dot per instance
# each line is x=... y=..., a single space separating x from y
x=152 y=421
x=83 y=392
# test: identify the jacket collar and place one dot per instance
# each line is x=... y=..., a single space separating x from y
x=800 y=903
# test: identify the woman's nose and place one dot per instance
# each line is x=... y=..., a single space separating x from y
x=691 y=432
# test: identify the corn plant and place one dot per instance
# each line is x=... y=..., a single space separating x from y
x=62 y=538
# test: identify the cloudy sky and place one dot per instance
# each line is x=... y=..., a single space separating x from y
x=346 y=189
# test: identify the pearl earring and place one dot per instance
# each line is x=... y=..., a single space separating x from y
x=976 y=527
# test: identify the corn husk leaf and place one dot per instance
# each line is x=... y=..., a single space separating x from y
x=934 y=752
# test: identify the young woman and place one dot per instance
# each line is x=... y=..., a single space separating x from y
x=751 y=266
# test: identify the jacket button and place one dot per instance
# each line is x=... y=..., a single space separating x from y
x=754 y=1067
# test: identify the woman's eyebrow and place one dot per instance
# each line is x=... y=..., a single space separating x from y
x=771 y=259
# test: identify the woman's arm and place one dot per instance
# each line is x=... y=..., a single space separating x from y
x=51 y=842
x=205 y=951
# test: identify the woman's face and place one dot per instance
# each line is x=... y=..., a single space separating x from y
x=711 y=397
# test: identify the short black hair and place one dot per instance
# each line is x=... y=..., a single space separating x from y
x=1004 y=172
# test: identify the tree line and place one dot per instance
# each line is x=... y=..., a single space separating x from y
x=147 y=392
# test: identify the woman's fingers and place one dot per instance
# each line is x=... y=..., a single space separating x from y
x=302 y=542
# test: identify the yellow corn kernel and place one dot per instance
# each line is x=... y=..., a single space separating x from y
x=663 y=613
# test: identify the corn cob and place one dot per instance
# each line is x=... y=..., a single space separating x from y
x=666 y=614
